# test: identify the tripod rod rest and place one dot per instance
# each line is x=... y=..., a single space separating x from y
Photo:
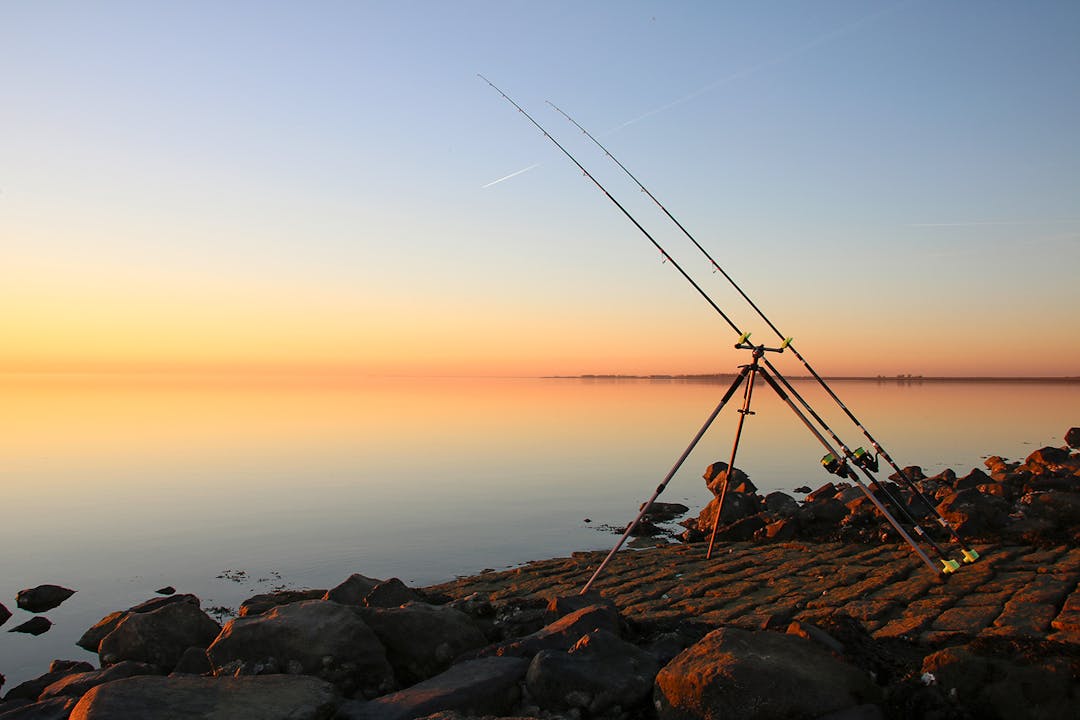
x=745 y=344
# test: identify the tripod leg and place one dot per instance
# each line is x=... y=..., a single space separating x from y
x=671 y=473
x=743 y=412
x=851 y=473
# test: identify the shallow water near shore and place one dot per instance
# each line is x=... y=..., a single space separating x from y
x=226 y=487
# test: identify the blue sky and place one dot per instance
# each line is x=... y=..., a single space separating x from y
x=895 y=183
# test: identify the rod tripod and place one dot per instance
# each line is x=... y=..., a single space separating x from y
x=750 y=373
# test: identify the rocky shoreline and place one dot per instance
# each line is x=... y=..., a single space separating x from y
x=809 y=609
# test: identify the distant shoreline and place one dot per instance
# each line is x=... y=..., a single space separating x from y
x=898 y=379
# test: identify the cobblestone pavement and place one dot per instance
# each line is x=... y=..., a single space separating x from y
x=1012 y=591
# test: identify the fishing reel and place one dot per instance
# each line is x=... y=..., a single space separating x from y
x=834 y=465
x=865 y=460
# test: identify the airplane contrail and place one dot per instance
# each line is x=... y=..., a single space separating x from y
x=980 y=223
x=507 y=177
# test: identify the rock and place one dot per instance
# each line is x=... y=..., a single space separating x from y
x=4 y=614
x=275 y=697
x=744 y=529
x=736 y=507
x=159 y=637
x=52 y=709
x=325 y=639
x=999 y=688
x=32 y=689
x=911 y=472
x=42 y=597
x=716 y=473
x=973 y=513
x=1060 y=507
x=1072 y=438
x=563 y=605
x=488 y=686
x=391 y=593
x=353 y=590
x=167 y=590
x=802 y=489
x=973 y=479
x=259 y=604
x=664 y=512
x=561 y=634
x=193 y=662
x=1047 y=457
x=91 y=639
x=78 y=684
x=423 y=640
x=781 y=503
x=758 y=675
x=33 y=626
x=599 y=672
x=825 y=491
x=782 y=530
x=822 y=510
x=812 y=632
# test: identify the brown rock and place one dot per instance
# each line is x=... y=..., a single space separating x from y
x=159 y=637
x=258 y=604
x=758 y=675
x=42 y=597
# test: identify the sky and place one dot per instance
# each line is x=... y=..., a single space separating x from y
x=329 y=187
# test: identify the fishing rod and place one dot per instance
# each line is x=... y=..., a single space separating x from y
x=859 y=456
x=839 y=468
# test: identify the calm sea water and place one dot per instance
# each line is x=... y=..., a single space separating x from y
x=119 y=486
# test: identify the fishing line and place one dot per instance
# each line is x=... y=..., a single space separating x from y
x=841 y=468
x=859 y=458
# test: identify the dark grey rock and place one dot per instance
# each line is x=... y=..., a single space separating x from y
x=601 y=671
x=488 y=686
x=188 y=697
x=4 y=614
x=193 y=662
x=51 y=709
x=391 y=593
x=259 y=604
x=167 y=590
x=32 y=689
x=42 y=597
x=78 y=684
x=314 y=637
x=561 y=634
x=353 y=590
x=781 y=503
x=34 y=626
x=159 y=637
x=423 y=640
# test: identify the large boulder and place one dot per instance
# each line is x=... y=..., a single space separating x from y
x=601 y=671
x=488 y=686
x=91 y=639
x=277 y=697
x=4 y=614
x=313 y=637
x=758 y=676
x=159 y=637
x=781 y=504
x=42 y=597
x=998 y=688
x=423 y=640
